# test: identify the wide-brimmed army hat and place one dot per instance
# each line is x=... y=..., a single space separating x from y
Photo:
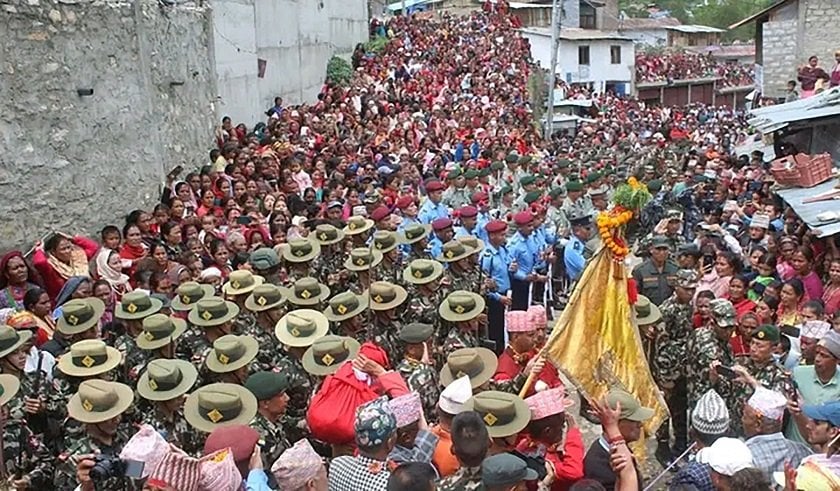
x=213 y=311
x=327 y=354
x=231 y=352
x=422 y=271
x=160 y=330
x=265 y=297
x=300 y=250
x=346 y=305
x=79 y=315
x=461 y=305
x=241 y=282
x=386 y=296
x=306 y=291
x=137 y=305
x=479 y=364
x=301 y=327
x=217 y=405
x=88 y=358
x=363 y=259
x=98 y=400
x=164 y=380
x=188 y=294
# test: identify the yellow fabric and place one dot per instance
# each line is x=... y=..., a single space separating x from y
x=596 y=344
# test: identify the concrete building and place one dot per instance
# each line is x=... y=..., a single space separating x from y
x=291 y=39
x=728 y=53
x=602 y=60
x=647 y=32
x=786 y=34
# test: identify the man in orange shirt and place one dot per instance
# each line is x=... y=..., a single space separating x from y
x=450 y=404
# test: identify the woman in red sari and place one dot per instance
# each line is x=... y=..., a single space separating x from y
x=738 y=286
x=133 y=249
x=831 y=293
x=62 y=257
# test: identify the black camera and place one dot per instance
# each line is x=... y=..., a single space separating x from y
x=107 y=466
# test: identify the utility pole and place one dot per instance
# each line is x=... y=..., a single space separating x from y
x=552 y=74
x=403 y=9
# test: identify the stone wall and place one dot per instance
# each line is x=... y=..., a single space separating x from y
x=780 y=55
x=77 y=162
x=295 y=38
x=820 y=32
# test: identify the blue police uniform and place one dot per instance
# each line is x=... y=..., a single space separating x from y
x=495 y=263
x=430 y=212
x=526 y=252
x=573 y=258
x=435 y=246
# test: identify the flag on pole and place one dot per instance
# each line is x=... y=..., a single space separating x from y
x=596 y=343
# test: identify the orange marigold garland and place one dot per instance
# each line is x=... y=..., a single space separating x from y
x=629 y=198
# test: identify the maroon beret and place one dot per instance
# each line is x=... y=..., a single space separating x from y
x=380 y=213
x=523 y=218
x=404 y=202
x=495 y=226
x=434 y=186
x=478 y=197
x=468 y=212
x=240 y=438
x=441 y=223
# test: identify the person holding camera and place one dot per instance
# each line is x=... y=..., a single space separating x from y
x=91 y=462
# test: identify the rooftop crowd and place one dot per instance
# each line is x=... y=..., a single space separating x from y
x=684 y=65
x=352 y=294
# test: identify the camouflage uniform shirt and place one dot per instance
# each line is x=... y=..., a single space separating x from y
x=65 y=475
x=132 y=357
x=464 y=479
x=671 y=341
x=423 y=379
x=273 y=441
x=176 y=431
x=300 y=391
x=24 y=453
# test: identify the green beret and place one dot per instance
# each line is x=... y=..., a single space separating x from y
x=556 y=192
x=484 y=172
x=527 y=179
x=525 y=160
x=265 y=385
x=416 y=333
x=471 y=174
x=454 y=173
x=512 y=158
x=590 y=178
x=563 y=163
x=572 y=186
x=497 y=165
x=505 y=190
x=264 y=258
x=532 y=196
x=767 y=332
x=654 y=186
x=574 y=177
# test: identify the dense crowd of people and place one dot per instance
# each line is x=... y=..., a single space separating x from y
x=354 y=294
x=684 y=65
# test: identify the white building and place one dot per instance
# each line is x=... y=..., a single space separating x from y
x=602 y=60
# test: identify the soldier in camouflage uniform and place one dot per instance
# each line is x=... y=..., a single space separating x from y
x=231 y=360
x=710 y=346
x=670 y=347
x=239 y=286
x=462 y=273
x=425 y=295
x=456 y=195
x=158 y=339
x=27 y=462
x=99 y=406
x=415 y=240
x=361 y=264
x=504 y=210
x=419 y=375
x=347 y=312
x=164 y=385
x=132 y=309
x=211 y=318
x=759 y=364
x=330 y=263
x=306 y=293
x=301 y=257
x=266 y=263
x=671 y=230
x=390 y=269
x=30 y=404
x=297 y=331
x=270 y=390
x=462 y=309
x=266 y=302
x=385 y=301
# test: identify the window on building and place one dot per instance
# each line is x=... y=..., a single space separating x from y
x=583 y=55
x=615 y=55
x=588 y=17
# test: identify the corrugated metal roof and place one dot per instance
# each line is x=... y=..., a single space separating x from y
x=694 y=29
x=393 y=7
x=520 y=5
x=808 y=211
x=640 y=24
x=759 y=14
x=772 y=118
